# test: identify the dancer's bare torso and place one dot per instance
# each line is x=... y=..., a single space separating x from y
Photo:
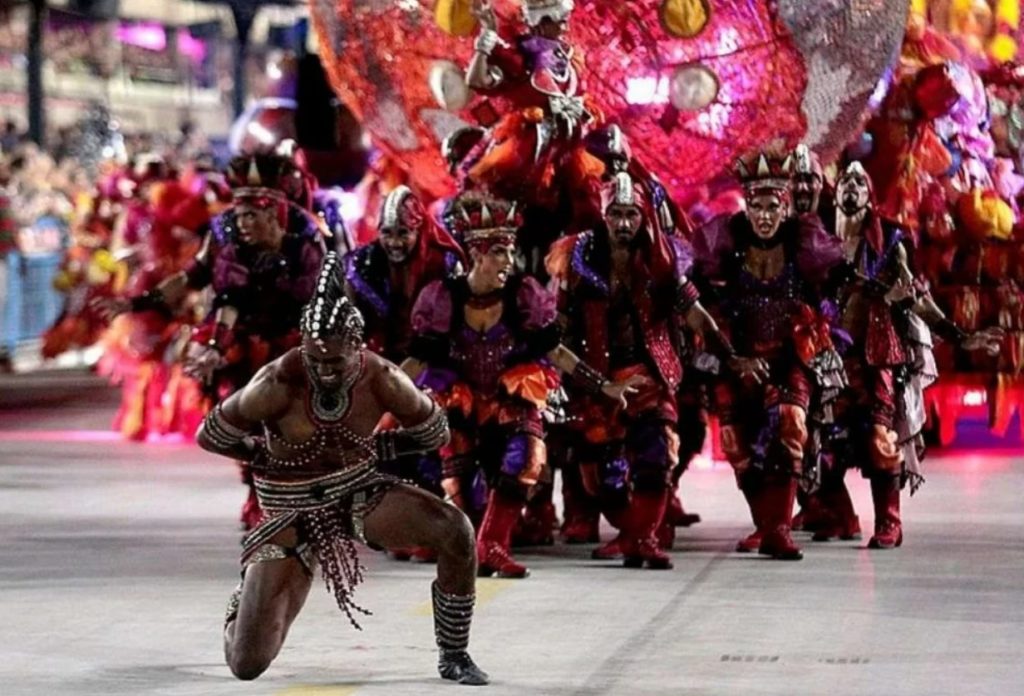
x=305 y=438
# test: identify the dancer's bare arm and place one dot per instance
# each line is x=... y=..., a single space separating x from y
x=424 y=426
x=229 y=429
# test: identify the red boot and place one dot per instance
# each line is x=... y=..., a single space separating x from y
x=537 y=525
x=843 y=523
x=492 y=541
x=423 y=555
x=582 y=529
x=676 y=515
x=609 y=551
x=582 y=518
x=777 y=541
x=814 y=514
x=752 y=542
x=642 y=519
x=885 y=494
x=666 y=535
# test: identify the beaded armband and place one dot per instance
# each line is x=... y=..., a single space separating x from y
x=947 y=329
x=588 y=378
x=427 y=436
x=222 y=434
x=686 y=296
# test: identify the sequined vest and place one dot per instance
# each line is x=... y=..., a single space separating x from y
x=589 y=317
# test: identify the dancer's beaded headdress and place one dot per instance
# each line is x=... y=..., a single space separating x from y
x=330 y=314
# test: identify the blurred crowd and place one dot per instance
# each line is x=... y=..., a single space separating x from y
x=52 y=199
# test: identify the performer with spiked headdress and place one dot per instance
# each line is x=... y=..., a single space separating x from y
x=261 y=258
x=887 y=315
x=764 y=270
x=306 y=424
x=487 y=343
x=385 y=277
x=619 y=288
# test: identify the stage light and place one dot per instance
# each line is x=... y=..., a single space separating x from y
x=647 y=90
x=974 y=397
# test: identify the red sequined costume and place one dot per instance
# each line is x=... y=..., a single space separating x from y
x=888 y=362
x=627 y=455
x=535 y=152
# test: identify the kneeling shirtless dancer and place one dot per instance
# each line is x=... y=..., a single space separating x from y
x=306 y=422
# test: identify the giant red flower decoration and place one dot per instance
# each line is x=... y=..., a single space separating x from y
x=751 y=71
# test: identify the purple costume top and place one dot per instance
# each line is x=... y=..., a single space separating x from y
x=758 y=312
x=526 y=332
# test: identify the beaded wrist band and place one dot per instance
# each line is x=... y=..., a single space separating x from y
x=948 y=330
x=588 y=378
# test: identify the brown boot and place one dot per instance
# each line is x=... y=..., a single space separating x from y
x=492 y=541
x=885 y=494
x=777 y=542
x=640 y=546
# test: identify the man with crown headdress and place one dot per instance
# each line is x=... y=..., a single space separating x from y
x=763 y=270
x=307 y=426
x=260 y=259
x=535 y=152
x=620 y=288
x=487 y=343
x=885 y=315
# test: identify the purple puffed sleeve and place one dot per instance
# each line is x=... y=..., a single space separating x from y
x=818 y=252
x=711 y=243
x=432 y=312
x=538 y=308
x=682 y=256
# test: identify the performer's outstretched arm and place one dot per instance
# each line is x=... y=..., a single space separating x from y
x=590 y=379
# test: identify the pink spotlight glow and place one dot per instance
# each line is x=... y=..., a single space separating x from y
x=352 y=207
x=60 y=436
x=190 y=46
x=647 y=90
x=147 y=35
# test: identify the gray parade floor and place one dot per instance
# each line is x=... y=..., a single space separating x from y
x=116 y=560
